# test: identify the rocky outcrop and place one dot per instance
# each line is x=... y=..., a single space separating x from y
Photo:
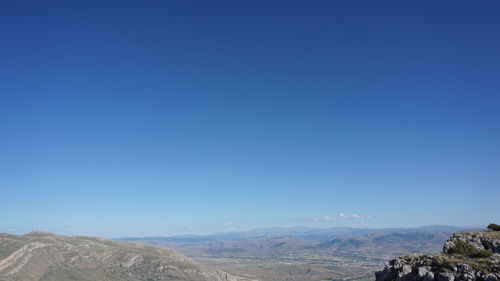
x=481 y=240
x=432 y=268
x=448 y=266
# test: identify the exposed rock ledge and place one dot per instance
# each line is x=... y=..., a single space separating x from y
x=450 y=265
x=481 y=240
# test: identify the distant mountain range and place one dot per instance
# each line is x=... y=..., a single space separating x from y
x=301 y=240
x=309 y=233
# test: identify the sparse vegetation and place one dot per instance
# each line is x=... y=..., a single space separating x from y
x=447 y=262
x=494 y=227
x=465 y=249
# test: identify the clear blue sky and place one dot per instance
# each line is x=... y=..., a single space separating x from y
x=123 y=118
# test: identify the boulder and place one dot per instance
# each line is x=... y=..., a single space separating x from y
x=422 y=271
x=445 y=276
x=405 y=270
x=490 y=277
x=429 y=276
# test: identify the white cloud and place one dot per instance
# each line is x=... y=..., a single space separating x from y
x=341 y=216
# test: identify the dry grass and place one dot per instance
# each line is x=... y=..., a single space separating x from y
x=446 y=262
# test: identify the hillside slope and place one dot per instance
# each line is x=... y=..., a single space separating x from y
x=49 y=257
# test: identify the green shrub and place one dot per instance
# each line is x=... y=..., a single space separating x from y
x=463 y=248
x=494 y=227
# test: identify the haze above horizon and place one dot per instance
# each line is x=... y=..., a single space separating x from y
x=146 y=118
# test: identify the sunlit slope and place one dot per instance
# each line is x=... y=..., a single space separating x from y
x=45 y=256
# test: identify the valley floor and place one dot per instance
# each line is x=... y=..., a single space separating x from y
x=293 y=268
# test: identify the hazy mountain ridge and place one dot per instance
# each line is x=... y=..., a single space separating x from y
x=313 y=233
x=391 y=241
